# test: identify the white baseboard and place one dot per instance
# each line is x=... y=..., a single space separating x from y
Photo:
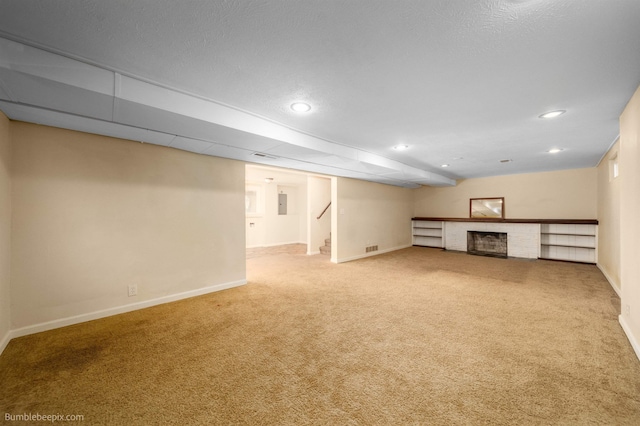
x=63 y=322
x=373 y=253
x=609 y=279
x=5 y=341
x=277 y=244
x=311 y=253
x=632 y=339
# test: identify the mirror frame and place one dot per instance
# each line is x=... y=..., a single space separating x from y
x=497 y=216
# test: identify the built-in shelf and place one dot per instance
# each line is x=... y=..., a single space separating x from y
x=427 y=233
x=567 y=245
x=558 y=233
x=574 y=242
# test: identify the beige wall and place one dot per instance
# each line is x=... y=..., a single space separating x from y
x=92 y=215
x=366 y=214
x=566 y=194
x=629 y=223
x=5 y=231
x=609 y=218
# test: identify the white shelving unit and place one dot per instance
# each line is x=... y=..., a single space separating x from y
x=570 y=242
x=428 y=233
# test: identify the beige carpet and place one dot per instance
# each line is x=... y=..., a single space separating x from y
x=418 y=336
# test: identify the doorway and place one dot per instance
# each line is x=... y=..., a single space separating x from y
x=284 y=208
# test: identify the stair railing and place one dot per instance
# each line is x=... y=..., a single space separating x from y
x=323 y=211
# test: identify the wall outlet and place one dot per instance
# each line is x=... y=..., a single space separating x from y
x=627 y=310
x=133 y=290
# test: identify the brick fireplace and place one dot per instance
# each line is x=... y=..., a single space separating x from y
x=484 y=243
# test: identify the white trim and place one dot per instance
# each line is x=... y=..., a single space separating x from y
x=609 y=279
x=373 y=253
x=5 y=341
x=311 y=253
x=627 y=330
x=63 y=322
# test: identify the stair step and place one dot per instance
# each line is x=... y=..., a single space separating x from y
x=325 y=250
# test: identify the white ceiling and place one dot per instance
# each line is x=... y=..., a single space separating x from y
x=462 y=82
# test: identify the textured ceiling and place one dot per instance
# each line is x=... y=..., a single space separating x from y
x=462 y=82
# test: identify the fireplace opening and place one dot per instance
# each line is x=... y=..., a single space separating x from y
x=487 y=243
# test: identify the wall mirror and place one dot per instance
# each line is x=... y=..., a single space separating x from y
x=486 y=208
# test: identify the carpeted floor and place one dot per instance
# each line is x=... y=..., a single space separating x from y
x=417 y=336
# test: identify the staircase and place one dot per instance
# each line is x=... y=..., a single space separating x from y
x=326 y=248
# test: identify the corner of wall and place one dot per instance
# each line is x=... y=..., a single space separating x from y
x=4 y=341
x=629 y=166
x=635 y=344
x=5 y=231
x=613 y=283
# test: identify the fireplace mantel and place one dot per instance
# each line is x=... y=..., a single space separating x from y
x=540 y=221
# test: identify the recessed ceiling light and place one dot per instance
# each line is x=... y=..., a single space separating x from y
x=401 y=147
x=552 y=114
x=300 y=107
x=445 y=165
x=554 y=150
